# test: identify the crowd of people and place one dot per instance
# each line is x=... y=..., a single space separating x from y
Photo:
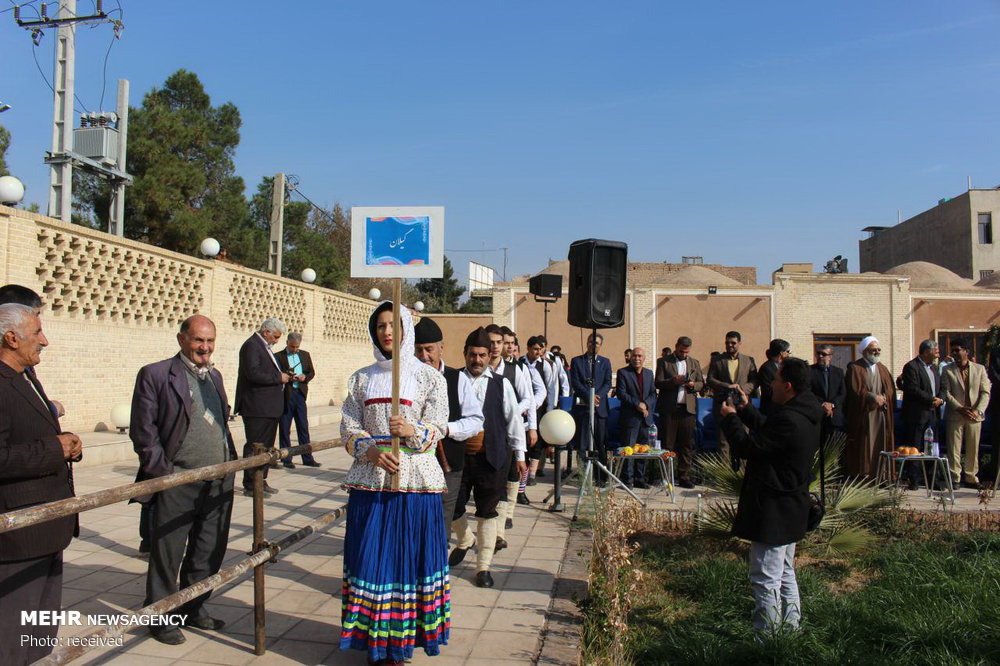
x=468 y=437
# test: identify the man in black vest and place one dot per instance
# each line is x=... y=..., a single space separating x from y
x=465 y=413
x=487 y=457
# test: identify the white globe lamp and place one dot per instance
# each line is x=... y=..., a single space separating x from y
x=419 y=306
x=308 y=275
x=120 y=416
x=557 y=427
x=210 y=247
x=374 y=294
x=11 y=190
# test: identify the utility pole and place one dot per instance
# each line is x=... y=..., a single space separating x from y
x=277 y=224
x=116 y=218
x=63 y=156
x=61 y=179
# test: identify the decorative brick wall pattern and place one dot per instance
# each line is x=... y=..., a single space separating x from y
x=255 y=299
x=86 y=277
x=345 y=319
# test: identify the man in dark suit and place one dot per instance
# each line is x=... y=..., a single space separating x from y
x=635 y=388
x=827 y=384
x=727 y=372
x=34 y=469
x=180 y=420
x=922 y=396
x=774 y=501
x=260 y=394
x=298 y=364
x=678 y=379
x=580 y=381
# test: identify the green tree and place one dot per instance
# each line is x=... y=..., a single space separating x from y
x=441 y=294
x=180 y=152
x=477 y=306
x=307 y=241
x=4 y=145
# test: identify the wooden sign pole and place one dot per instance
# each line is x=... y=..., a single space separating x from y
x=397 y=334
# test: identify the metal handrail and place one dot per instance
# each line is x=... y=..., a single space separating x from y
x=41 y=513
x=262 y=553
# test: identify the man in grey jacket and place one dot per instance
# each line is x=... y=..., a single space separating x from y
x=180 y=420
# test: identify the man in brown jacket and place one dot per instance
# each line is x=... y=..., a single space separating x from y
x=966 y=391
x=729 y=371
x=34 y=469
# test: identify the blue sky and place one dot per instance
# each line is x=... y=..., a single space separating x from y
x=747 y=133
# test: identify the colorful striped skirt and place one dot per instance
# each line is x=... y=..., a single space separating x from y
x=396 y=593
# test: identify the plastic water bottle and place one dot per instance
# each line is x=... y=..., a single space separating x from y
x=929 y=443
x=654 y=436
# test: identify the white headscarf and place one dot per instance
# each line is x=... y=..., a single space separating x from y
x=380 y=380
x=863 y=345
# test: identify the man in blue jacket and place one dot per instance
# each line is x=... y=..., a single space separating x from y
x=774 y=501
x=580 y=381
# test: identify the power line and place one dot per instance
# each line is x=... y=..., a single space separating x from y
x=34 y=55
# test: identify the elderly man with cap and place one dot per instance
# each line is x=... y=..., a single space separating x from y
x=465 y=413
x=868 y=409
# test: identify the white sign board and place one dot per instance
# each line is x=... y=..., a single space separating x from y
x=397 y=242
x=480 y=276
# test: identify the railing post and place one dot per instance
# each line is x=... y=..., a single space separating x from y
x=258 y=545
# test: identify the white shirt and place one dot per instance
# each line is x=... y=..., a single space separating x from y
x=682 y=369
x=537 y=384
x=471 y=420
x=526 y=405
x=516 y=439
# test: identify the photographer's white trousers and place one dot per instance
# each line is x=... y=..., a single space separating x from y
x=775 y=589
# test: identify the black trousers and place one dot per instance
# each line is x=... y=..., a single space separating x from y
x=637 y=433
x=295 y=410
x=28 y=585
x=190 y=530
x=680 y=438
x=258 y=430
x=484 y=483
x=453 y=481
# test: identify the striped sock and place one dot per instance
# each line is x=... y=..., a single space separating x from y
x=523 y=484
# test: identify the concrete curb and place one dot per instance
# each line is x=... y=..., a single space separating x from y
x=562 y=633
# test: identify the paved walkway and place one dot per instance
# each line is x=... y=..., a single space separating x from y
x=525 y=619
x=501 y=625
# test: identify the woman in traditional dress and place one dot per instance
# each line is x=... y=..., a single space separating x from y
x=396 y=592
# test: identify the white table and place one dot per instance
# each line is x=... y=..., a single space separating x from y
x=666 y=466
x=886 y=469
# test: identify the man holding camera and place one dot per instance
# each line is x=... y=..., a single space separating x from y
x=774 y=501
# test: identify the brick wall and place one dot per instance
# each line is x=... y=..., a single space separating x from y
x=113 y=305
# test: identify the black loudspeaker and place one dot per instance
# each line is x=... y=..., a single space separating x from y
x=597 y=283
x=546 y=286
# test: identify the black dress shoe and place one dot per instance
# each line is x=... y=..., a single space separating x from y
x=522 y=498
x=484 y=579
x=311 y=463
x=540 y=474
x=641 y=484
x=288 y=464
x=508 y=524
x=531 y=481
x=269 y=490
x=206 y=622
x=171 y=636
x=685 y=483
x=457 y=555
x=500 y=544
x=974 y=485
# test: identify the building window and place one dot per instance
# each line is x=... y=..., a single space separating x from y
x=985 y=274
x=986 y=228
x=976 y=341
x=844 y=346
